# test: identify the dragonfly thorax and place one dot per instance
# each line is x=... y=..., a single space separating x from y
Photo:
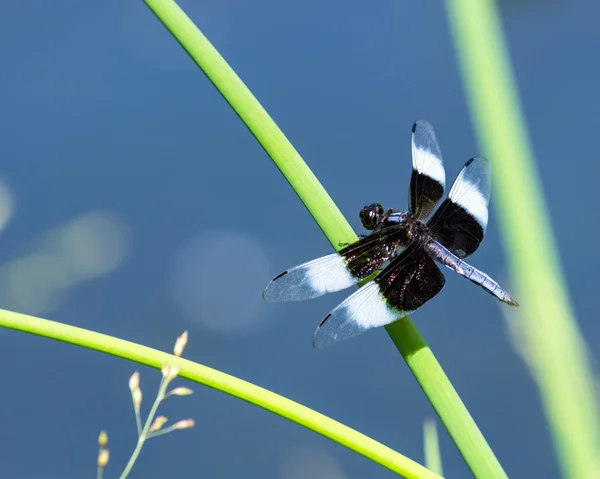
x=414 y=228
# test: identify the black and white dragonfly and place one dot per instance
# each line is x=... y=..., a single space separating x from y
x=403 y=246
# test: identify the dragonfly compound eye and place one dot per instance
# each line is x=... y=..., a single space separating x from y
x=371 y=215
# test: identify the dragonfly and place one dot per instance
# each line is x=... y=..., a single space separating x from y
x=403 y=249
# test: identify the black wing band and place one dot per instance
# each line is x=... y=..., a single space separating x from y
x=428 y=176
x=410 y=280
x=461 y=220
x=367 y=255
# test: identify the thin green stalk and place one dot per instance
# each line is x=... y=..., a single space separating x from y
x=160 y=432
x=136 y=452
x=406 y=337
x=256 y=395
x=554 y=344
x=431 y=445
x=143 y=433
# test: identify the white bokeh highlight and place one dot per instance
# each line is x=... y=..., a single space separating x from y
x=87 y=247
x=310 y=462
x=92 y=245
x=217 y=281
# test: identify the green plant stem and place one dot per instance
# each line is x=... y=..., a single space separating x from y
x=133 y=458
x=143 y=434
x=431 y=445
x=160 y=432
x=99 y=472
x=251 y=393
x=404 y=334
x=554 y=345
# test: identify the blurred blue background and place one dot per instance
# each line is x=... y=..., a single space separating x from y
x=135 y=203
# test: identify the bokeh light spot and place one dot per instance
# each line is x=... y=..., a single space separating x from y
x=218 y=279
x=96 y=242
x=303 y=462
x=34 y=283
x=92 y=245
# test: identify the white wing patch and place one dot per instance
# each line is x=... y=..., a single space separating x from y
x=363 y=310
x=426 y=153
x=310 y=280
x=472 y=188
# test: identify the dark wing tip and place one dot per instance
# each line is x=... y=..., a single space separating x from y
x=315 y=342
x=477 y=158
x=265 y=294
x=279 y=276
x=323 y=322
x=423 y=123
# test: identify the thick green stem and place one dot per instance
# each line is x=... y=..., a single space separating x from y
x=546 y=325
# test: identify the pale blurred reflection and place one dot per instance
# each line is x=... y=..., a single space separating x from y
x=218 y=278
x=313 y=463
x=92 y=245
x=6 y=205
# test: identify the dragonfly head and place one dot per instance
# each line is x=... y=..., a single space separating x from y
x=371 y=216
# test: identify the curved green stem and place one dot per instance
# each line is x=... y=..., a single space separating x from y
x=223 y=382
x=406 y=337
